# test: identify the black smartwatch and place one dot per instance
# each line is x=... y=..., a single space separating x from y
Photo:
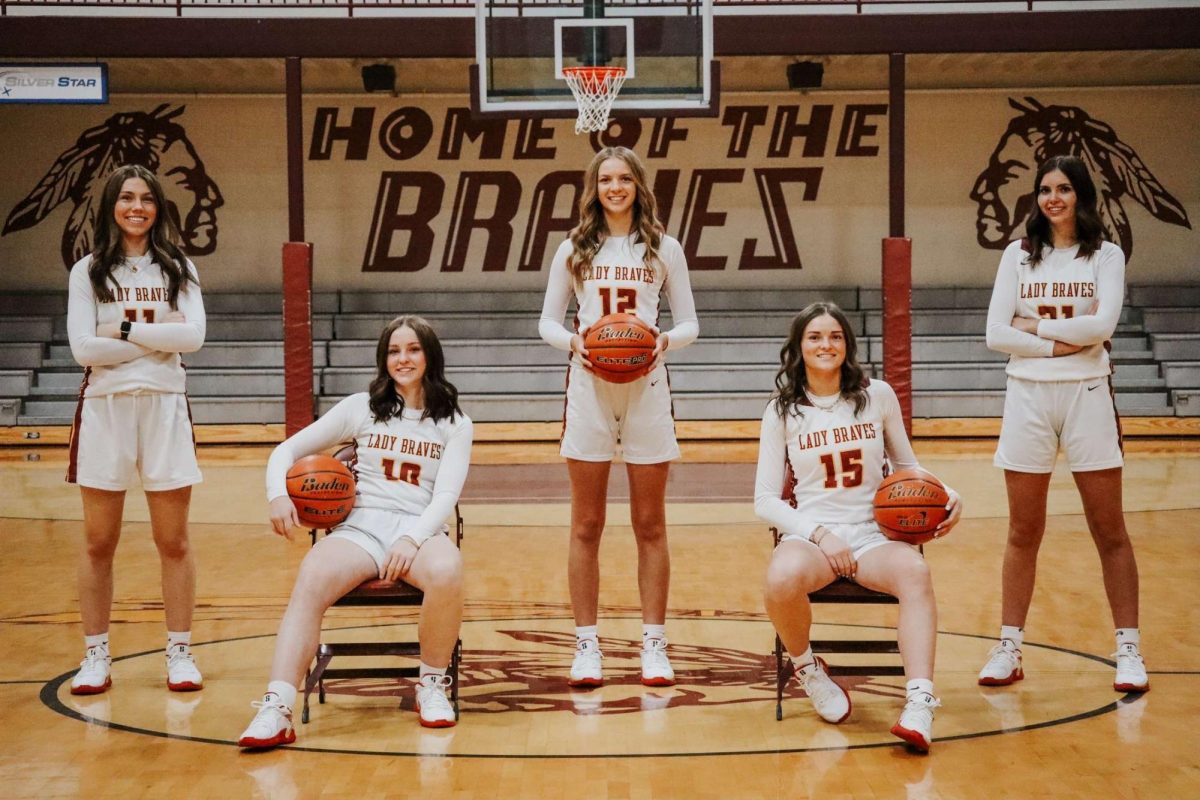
x=126 y=325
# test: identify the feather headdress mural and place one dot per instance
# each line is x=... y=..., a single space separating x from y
x=1004 y=193
x=153 y=139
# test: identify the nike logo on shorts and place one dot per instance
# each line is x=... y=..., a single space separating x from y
x=1097 y=386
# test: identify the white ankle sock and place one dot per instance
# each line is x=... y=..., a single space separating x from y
x=284 y=691
x=425 y=669
x=97 y=640
x=586 y=632
x=179 y=637
x=653 y=632
x=1015 y=634
x=1128 y=636
x=919 y=686
x=804 y=659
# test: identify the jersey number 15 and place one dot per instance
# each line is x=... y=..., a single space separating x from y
x=851 y=473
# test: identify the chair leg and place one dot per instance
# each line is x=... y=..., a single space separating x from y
x=455 y=657
x=780 y=678
x=313 y=677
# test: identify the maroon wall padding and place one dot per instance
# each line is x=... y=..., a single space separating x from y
x=897 y=321
x=297 y=336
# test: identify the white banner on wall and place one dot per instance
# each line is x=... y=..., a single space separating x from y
x=53 y=83
x=779 y=191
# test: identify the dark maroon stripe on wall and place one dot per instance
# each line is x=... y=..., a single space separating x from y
x=424 y=37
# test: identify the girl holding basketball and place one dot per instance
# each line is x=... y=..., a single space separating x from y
x=618 y=259
x=831 y=432
x=1056 y=303
x=134 y=305
x=412 y=447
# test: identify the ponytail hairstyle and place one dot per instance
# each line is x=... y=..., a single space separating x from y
x=791 y=382
x=1089 y=229
x=588 y=236
x=108 y=250
x=441 y=396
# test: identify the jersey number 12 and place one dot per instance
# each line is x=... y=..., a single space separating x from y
x=626 y=301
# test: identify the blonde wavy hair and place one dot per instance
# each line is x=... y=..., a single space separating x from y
x=588 y=236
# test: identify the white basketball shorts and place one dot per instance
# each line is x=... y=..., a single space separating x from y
x=860 y=537
x=375 y=530
x=119 y=437
x=637 y=416
x=1042 y=416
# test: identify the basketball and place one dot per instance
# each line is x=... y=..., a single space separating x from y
x=322 y=489
x=909 y=505
x=619 y=347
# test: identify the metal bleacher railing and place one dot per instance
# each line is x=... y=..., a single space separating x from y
x=197 y=8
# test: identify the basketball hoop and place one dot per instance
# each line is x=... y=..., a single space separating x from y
x=595 y=89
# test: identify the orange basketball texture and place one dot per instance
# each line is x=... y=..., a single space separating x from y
x=619 y=347
x=322 y=489
x=910 y=504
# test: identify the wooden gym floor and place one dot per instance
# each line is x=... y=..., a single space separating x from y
x=1061 y=733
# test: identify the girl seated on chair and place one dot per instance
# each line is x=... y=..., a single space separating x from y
x=396 y=530
x=830 y=531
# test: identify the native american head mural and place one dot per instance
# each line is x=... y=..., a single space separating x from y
x=154 y=140
x=1004 y=189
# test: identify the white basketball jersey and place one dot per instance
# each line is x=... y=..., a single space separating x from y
x=400 y=464
x=149 y=361
x=618 y=281
x=837 y=460
x=1078 y=300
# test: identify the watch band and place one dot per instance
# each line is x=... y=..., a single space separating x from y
x=125 y=327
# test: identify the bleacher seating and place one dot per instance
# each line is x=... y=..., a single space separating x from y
x=506 y=373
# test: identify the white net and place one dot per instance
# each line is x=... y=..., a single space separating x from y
x=595 y=89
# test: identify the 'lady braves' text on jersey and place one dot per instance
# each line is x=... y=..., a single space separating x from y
x=149 y=361
x=837 y=459
x=619 y=281
x=1078 y=301
x=407 y=464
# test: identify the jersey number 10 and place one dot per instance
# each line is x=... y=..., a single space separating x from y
x=409 y=472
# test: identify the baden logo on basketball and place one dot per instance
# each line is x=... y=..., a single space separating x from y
x=910 y=491
x=338 y=487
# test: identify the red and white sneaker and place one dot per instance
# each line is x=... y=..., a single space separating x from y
x=271 y=726
x=95 y=672
x=656 y=667
x=585 y=669
x=433 y=706
x=831 y=701
x=915 y=725
x=1003 y=666
x=1131 y=670
x=182 y=674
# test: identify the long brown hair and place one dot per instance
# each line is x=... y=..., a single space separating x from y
x=1089 y=230
x=108 y=251
x=791 y=381
x=441 y=396
x=588 y=236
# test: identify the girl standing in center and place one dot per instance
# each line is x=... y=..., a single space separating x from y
x=618 y=259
